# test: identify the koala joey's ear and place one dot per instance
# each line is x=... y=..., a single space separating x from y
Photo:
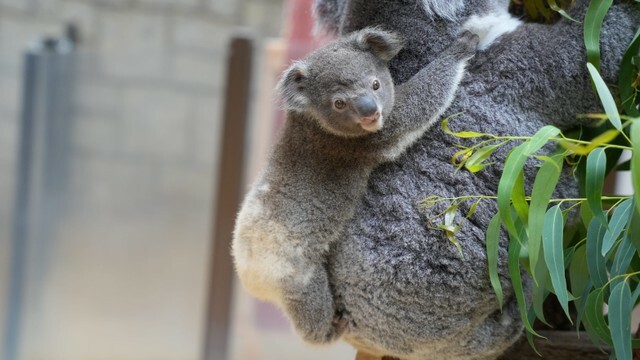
x=292 y=84
x=383 y=44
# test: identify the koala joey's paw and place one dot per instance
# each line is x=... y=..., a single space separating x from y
x=466 y=45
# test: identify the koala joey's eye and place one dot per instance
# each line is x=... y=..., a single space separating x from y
x=376 y=85
x=339 y=104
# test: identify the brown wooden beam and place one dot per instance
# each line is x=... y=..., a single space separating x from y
x=229 y=193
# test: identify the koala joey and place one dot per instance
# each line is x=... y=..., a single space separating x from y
x=344 y=117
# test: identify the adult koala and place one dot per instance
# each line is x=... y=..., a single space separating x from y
x=408 y=291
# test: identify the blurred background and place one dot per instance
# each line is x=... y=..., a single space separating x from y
x=113 y=230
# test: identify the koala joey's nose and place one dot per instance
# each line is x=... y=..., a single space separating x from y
x=365 y=105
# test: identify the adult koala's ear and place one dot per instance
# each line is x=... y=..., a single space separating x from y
x=292 y=84
x=383 y=44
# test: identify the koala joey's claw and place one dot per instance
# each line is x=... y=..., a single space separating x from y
x=472 y=38
x=324 y=335
x=341 y=322
x=466 y=45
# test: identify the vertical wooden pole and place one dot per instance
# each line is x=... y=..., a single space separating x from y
x=229 y=193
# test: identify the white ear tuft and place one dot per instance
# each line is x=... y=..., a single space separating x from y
x=383 y=44
x=292 y=84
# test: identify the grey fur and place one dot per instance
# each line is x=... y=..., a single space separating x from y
x=319 y=168
x=408 y=292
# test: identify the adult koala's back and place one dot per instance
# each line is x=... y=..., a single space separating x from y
x=409 y=292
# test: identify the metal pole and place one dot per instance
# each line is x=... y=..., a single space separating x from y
x=41 y=168
x=229 y=194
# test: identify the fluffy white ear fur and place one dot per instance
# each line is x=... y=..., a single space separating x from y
x=443 y=8
x=490 y=27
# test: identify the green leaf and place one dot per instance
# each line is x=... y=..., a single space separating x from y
x=450 y=228
x=581 y=305
x=595 y=261
x=472 y=209
x=605 y=97
x=620 y=320
x=492 y=241
x=512 y=168
x=585 y=214
x=540 y=291
x=531 y=317
x=519 y=201
x=622 y=260
x=627 y=75
x=461 y=134
x=616 y=225
x=594 y=316
x=634 y=230
x=554 y=6
x=635 y=161
x=460 y=157
x=554 y=256
x=516 y=281
x=578 y=271
x=592 y=25
x=543 y=186
x=476 y=162
x=594 y=180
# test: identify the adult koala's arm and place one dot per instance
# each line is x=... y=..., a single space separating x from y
x=421 y=100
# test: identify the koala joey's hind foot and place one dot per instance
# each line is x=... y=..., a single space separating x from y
x=341 y=321
x=465 y=46
x=319 y=325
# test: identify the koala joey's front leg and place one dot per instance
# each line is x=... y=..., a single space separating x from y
x=424 y=97
x=309 y=304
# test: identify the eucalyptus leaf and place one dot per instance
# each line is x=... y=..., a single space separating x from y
x=540 y=291
x=578 y=271
x=492 y=243
x=554 y=6
x=635 y=161
x=618 y=222
x=594 y=316
x=513 y=166
x=602 y=139
x=516 y=281
x=606 y=98
x=582 y=303
x=476 y=162
x=634 y=229
x=596 y=167
x=622 y=260
x=592 y=25
x=518 y=199
x=595 y=261
x=554 y=256
x=543 y=186
x=620 y=307
x=461 y=134
x=627 y=75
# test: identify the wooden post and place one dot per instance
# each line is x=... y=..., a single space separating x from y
x=229 y=194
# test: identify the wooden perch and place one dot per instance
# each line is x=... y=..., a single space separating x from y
x=561 y=345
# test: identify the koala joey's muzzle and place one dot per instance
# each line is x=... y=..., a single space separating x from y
x=367 y=107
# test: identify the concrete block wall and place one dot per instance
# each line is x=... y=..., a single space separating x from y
x=133 y=250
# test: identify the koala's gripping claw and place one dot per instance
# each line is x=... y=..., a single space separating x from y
x=466 y=46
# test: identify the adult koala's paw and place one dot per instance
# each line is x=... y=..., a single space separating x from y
x=490 y=27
